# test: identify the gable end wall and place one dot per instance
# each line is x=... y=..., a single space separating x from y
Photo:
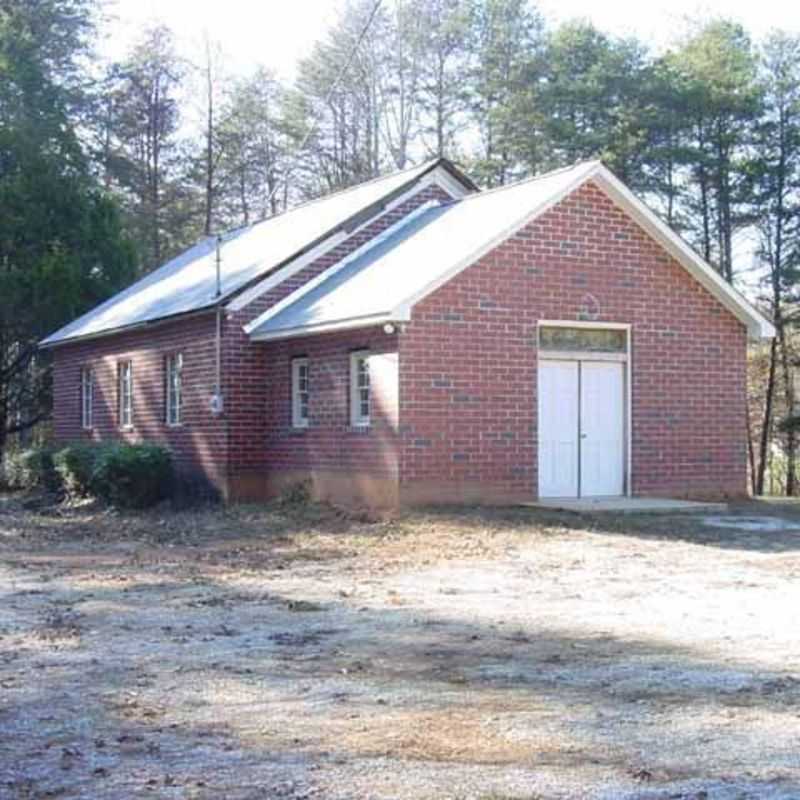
x=468 y=362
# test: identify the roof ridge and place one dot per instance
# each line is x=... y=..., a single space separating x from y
x=424 y=165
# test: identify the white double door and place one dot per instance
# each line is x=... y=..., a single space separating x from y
x=581 y=443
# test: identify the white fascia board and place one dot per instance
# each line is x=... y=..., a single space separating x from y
x=403 y=310
x=328 y=327
x=303 y=290
x=758 y=326
x=439 y=177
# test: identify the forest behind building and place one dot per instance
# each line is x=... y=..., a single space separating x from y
x=108 y=169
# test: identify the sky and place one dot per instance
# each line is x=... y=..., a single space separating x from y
x=276 y=33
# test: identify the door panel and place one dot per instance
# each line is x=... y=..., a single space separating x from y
x=602 y=429
x=558 y=428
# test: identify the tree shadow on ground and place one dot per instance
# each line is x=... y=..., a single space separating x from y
x=684 y=527
x=277 y=696
x=207 y=672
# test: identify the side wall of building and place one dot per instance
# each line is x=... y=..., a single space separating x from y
x=249 y=452
x=198 y=444
x=468 y=362
x=255 y=387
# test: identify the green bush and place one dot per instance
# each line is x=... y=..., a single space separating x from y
x=75 y=465
x=132 y=475
x=31 y=469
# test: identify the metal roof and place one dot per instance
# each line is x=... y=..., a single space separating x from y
x=382 y=281
x=188 y=283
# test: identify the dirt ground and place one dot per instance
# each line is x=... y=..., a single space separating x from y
x=487 y=654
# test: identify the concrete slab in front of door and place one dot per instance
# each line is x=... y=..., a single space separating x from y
x=627 y=505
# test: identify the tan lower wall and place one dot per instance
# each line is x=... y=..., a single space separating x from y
x=700 y=493
x=364 y=489
x=347 y=488
x=423 y=493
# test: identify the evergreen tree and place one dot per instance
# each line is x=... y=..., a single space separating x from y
x=151 y=164
x=62 y=249
x=717 y=72
x=509 y=61
x=776 y=202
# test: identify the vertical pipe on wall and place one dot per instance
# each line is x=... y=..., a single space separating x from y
x=216 y=400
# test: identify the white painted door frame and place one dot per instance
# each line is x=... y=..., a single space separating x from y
x=626 y=358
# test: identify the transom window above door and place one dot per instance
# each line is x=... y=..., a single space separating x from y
x=583 y=339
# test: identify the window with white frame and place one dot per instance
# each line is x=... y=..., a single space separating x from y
x=174 y=380
x=125 y=393
x=301 y=392
x=87 y=397
x=359 y=389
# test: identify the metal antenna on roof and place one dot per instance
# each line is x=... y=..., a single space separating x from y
x=218 y=260
x=312 y=127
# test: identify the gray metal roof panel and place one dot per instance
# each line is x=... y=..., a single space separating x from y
x=188 y=282
x=423 y=253
x=416 y=254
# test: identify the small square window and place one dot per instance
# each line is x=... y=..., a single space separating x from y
x=125 y=393
x=301 y=392
x=174 y=382
x=87 y=398
x=360 y=399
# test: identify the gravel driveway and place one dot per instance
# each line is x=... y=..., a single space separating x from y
x=301 y=653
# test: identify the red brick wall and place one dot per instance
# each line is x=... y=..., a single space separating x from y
x=330 y=444
x=234 y=450
x=468 y=362
x=249 y=375
x=467 y=426
x=198 y=444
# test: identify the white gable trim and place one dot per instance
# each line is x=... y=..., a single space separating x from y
x=758 y=326
x=271 y=281
x=353 y=323
x=439 y=177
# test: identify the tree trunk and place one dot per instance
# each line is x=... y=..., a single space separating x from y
x=791 y=436
x=751 y=451
x=766 y=426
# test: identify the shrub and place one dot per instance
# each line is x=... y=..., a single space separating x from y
x=31 y=469
x=296 y=494
x=75 y=466
x=132 y=475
